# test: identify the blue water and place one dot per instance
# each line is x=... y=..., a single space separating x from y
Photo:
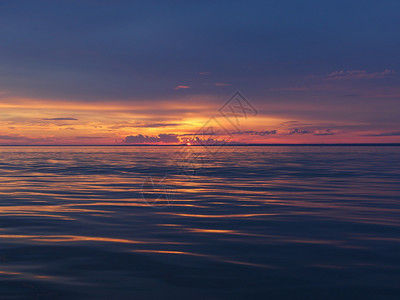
x=237 y=223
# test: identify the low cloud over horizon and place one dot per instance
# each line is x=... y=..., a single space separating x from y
x=145 y=139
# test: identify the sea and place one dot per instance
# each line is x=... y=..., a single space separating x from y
x=193 y=222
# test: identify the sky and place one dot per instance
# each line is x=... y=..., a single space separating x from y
x=159 y=72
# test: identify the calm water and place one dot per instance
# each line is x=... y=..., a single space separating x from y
x=252 y=223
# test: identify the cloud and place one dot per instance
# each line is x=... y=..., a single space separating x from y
x=222 y=84
x=173 y=139
x=155 y=125
x=182 y=87
x=325 y=133
x=314 y=131
x=207 y=141
x=295 y=123
x=18 y=139
x=359 y=74
x=90 y=137
x=300 y=131
x=60 y=119
x=217 y=132
x=12 y=138
x=396 y=133
x=253 y=132
x=204 y=73
x=291 y=132
x=145 y=139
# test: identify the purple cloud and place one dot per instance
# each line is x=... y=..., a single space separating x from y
x=254 y=132
x=396 y=133
x=300 y=131
x=359 y=74
x=145 y=139
x=60 y=119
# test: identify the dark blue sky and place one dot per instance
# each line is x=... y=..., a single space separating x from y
x=279 y=53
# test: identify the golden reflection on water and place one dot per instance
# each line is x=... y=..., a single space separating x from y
x=252 y=207
x=76 y=238
x=30 y=275
x=218 y=216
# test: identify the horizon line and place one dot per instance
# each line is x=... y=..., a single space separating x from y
x=227 y=145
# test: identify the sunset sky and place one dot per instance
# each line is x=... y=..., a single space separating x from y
x=97 y=72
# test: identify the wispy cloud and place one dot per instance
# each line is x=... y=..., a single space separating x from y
x=222 y=84
x=325 y=133
x=182 y=87
x=396 y=133
x=254 y=132
x=155 y=125
x=12 y=137
x=313 y=131
x=90 y=137
x=60 y=119
x=359 y=74
x=146 y=139
x=300 y=131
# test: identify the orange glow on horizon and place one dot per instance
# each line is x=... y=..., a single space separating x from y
x=41 y=121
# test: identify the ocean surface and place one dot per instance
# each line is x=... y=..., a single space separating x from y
x=154 y=222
